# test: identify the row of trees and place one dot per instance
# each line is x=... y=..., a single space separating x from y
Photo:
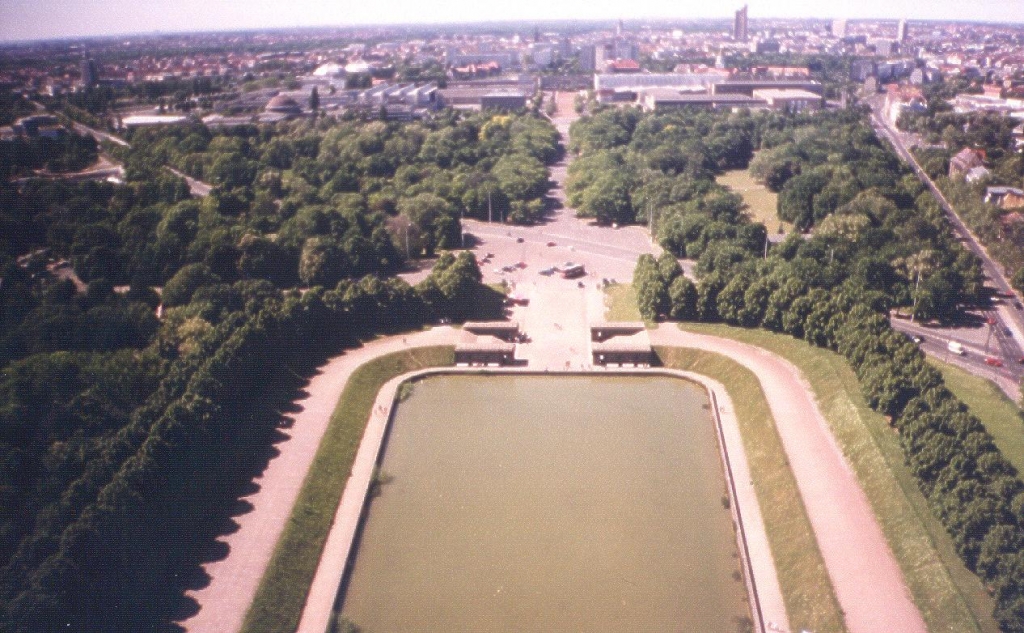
x=884 y=247
x=108 y=458
x=121 y=434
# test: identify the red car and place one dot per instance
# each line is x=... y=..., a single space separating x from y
x=995 y=362
x=551 y=243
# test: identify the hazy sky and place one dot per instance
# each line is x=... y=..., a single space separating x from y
x=35 y=19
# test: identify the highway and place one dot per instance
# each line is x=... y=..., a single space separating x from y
x=996 y=345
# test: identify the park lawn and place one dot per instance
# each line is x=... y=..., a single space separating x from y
x=1001 y=417
x=761 y=203
x=282 y=593
x=811 y=604
x=949 y=596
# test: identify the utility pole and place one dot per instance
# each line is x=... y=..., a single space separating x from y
x=913 y=308
x=766 y=245
x=490 y=210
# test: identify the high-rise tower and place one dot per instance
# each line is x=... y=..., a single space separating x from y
x=89 y=75
x=839 y=28
x=901 y=32
x=739 y=27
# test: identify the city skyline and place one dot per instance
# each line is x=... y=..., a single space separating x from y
x=23 y=20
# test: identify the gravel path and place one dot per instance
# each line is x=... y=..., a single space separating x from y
x=867 y=580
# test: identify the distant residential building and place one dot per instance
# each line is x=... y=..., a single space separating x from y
x=508 y=59
x=1005 y=197
x=964 y=103
x=330 y=69
x=622 y=49
x=839 y=28
x=885 y=47
x=543 y=54
x=965 y=160
x=476 y=71
x=739 y=27
x=1018 y=136
x=992 y=90
x=903 y=98
x=861 y=69
x=623 y=66
x=587 y=58
x=780 y=72
x=977 y=173
x=765 y=46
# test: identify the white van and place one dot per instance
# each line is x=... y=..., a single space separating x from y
x=956 y=348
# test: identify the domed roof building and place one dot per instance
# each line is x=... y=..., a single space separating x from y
x=283 y=104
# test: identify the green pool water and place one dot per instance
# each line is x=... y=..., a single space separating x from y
x=534 y=503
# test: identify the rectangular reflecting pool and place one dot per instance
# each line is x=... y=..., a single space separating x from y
x=535 y=503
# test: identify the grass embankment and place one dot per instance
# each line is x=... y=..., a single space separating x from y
x=762 y=204
x=810 y=602
x=282 y=593
x=949 y=596
x=998 y=413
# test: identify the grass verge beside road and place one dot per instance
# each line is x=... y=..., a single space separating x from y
x=621 y=302
x=949 y=596
x=1000 y=416
x=281 y=595
x=810 y=602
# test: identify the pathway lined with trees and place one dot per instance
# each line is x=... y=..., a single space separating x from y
x=866 y=578
x=234 y=578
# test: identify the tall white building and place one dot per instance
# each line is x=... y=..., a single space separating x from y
x=901 y=32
